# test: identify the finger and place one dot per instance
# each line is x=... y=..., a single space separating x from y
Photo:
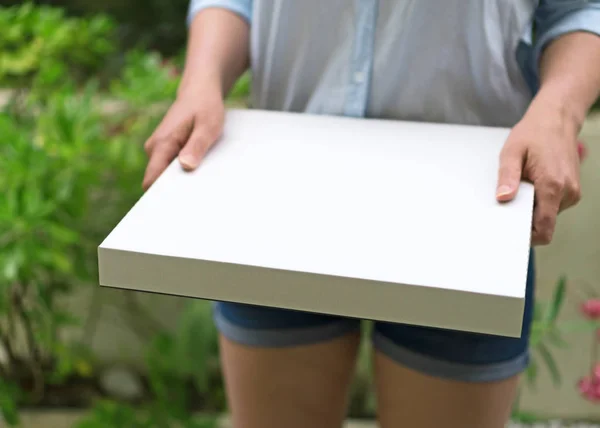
x=544 y=216
x=164 y=150
x=162 y=155
x=201 y=140
x=509 y=173
x=572 y=195
x=151 y=141
x=180 y=133
x=544 y=224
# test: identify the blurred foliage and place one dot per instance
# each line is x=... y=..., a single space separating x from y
x=66 y=183
x=151 y=24
x=40 y=46
x=182 y=367
x=117 y=415
x=71 y=170
x=548 y=334
x=146 y=79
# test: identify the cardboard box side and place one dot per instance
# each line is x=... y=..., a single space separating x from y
x=415 y=305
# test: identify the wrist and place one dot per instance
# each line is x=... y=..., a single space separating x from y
x=551 y=107
x=205 y=82
x=554 y=103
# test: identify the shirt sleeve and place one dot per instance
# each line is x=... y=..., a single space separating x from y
x=241 y=7
x=554 y=18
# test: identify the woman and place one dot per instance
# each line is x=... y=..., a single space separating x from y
x=454 y=61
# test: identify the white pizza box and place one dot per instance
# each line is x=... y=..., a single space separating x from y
x=374 y=219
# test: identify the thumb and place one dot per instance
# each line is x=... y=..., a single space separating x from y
x=509 y=173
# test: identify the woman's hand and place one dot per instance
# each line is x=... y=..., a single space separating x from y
x=217 y=54
x=543 y=149
x=189 y=129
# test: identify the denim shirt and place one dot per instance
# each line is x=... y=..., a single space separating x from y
x=452 y=61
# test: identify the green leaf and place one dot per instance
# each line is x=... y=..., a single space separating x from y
x=9 y=396
x=115 y=415
x=202 y=422
x=12 y=262
x=62 y=234
x=196 y=341
x=550 y=363
x=55 y=260
x=557 y=300
x=525 y=418
x=555 y=338
x=531 y=373
x=537 y=334
x=578 y=326
x=70 y=359
x=64 y=319
x=241 y=89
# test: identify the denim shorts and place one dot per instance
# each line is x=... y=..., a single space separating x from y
x=449 y=354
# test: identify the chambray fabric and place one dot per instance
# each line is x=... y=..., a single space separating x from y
x=455 y=61
x=452 y=61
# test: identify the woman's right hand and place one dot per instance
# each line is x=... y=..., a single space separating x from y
x=189 y=129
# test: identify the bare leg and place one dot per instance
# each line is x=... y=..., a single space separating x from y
x=414 y=400
x=292 y=387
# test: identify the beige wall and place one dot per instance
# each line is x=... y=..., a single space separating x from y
x=575 y=252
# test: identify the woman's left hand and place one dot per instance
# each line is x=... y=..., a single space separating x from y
x=543 y=149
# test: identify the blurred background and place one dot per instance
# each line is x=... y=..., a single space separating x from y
x=82 y=85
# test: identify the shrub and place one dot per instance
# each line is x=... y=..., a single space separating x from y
x=66 y=182
x=71 y=171
x=40 y=47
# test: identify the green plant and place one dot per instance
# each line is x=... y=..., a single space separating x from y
x=58 y=178
x=547 y=334
x=117 y=415
x=241 y=89
x=589 y=385
x=41 y=48
x=152 y=24
x=10 y=394
x=182 y=367
x=187 y=359
x=71 y=170
x=146 y=79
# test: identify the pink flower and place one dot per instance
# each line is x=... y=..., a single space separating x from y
x=582 y=150
x=591 y=308
x=585 y=385
x=589 y=388
x=596 y=374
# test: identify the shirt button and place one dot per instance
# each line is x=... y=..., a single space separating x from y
x=359 y=77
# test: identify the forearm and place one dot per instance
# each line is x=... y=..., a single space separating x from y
x=570 y=76
x=217 y=51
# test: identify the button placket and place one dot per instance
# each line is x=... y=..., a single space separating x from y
x=361 y=61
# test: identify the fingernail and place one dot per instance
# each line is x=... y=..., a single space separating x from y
x=188 y=161
x=503 y=190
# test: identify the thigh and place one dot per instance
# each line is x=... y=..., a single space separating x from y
x=417 y=400
x=469 y=380
x=286 y=368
